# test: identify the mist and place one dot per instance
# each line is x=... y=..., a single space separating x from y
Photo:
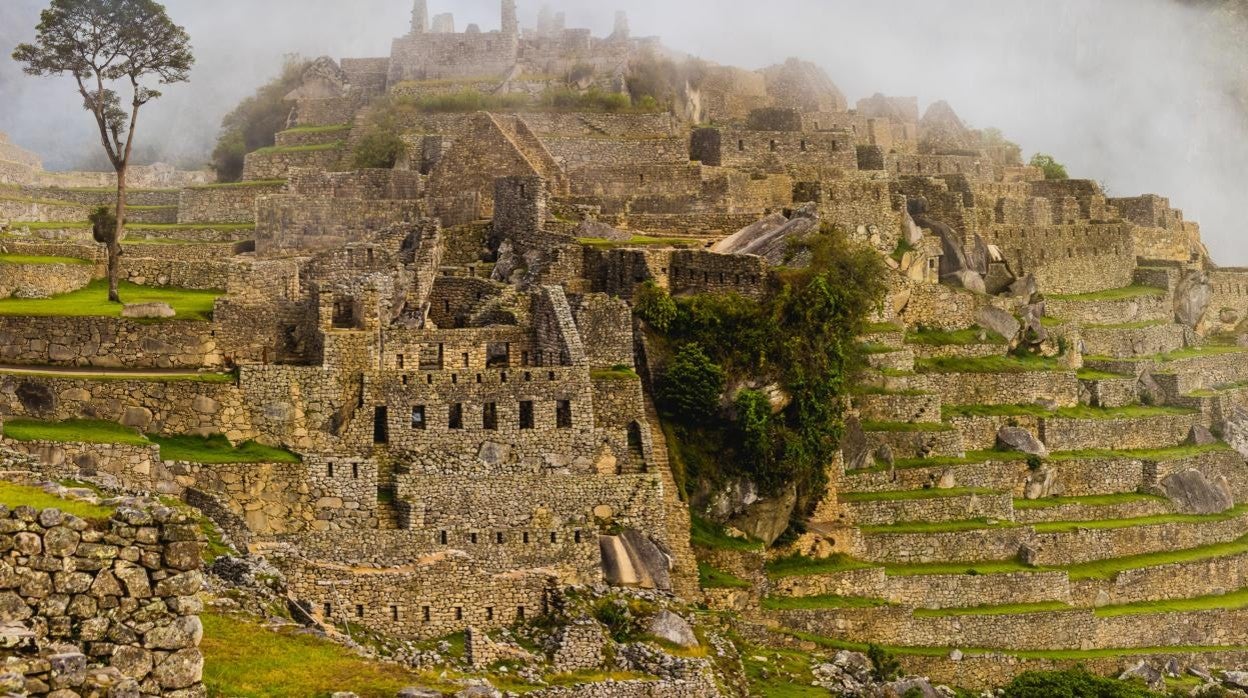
x=1144 y=96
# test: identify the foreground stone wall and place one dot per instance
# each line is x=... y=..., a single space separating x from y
x=121 y=591
x=223 y=203
x=107 y=342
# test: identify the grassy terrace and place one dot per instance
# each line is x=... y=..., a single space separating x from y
x=964 y=337
x=224 y=227
x=1104 y=524
x=640 y=241
x=319 y=147
x=800 y=565
x=709 y=535
x=195 y=449
x=331 y=128
x=61 y=225
x=5 y=196
x=1143 y=324
x=241 y=185
x=987 y=364
x=1094 y=500
x=1113 y=294
x=38 y=259
x=909 y=495
x=972 y=458
x=1153 y=454
x=907 y=527
x=13 y=495
x=712 y=578
x=1088 y=374
x=1001 y=610
x=1079 y=412
x=155 y=377
x=92 y=301
x=905 y=426
x=812 y=603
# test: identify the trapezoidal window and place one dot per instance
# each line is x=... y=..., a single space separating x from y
x=489 y=416
x=526 y=414
x=455 y=416
x=381 y=425
x=563 y=414
x=418 y=417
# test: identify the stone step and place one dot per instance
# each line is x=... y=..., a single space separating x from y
x=1005 y=473
x=1141 y=306
x=892 y=360
x=1069 y=509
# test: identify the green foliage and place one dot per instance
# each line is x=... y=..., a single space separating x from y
x=1073 y=683
x=564 y=99
x=103 y=225
x=1052 y=168
x=660 y=81
x=13 y=495
x=692 y=385
x=378 y=150
x=255 y=122
x=655 y=306
x=622 y=620
x=754 y=427
x=884 y=665
x=90 y=301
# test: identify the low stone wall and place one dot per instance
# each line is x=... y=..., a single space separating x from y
x=1001 y=475
x=1182 y=580
x=121 y=593
x=1110 y=392
x=1128 y=342
x=107 y=342
x=1158 y=308
x=980 y=433
x=959 y=508
x=123 y=467
x=1084 y=545
x=42 y=280
x=897 y=408
x=962 y=546
x=1091 y=476
x=228 y=203
x=35 y=211
x=279 y=164
x=917 y=444
x=1019 y=388
x=1158 y=431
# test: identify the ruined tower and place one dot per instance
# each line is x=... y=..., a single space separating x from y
x=420 y=17
x=511 y=26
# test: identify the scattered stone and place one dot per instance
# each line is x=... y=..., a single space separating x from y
x=1193 y=493
x=671 y=627
x=148 y=310
x=1019 y=439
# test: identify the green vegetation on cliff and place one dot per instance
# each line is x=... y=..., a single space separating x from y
x=254 y=123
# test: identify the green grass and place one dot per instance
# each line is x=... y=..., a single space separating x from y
x=1088 y=374
x=1153 y=454
x=13 y=495
x=33 y=200
x=710 y=535
x=245 y=660
x=220 y=227
x=712 y=578
x=1094 y=500
x=92 y=301
x=1113 y=294
x=639 y=241
x=37 y=259
x=1106 y=569
x=956 y=568
x=237 y=185
x=798 y=565
x=906 y=495
x=1143 y=324
x=964 y=337
x=774 y=672
x=614 y=374
x=1127 y=412
x=1001 y=610
x=331 y=128
x=151 y=208
x=895 y=427
x=995 y=411
x=1230 y=601
x=986 y=364
x=1104 y=524
x=972 y=458
x=124 y=376
x=48 y=226
x=75 y=430
x=920 y=527
x=883 y=328
x=216 y=449
x=318 y=147
x=1198 y=352
x=814 y=603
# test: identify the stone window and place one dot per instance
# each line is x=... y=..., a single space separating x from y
x=554 y=537
x=455 y=416
x=472 y=538
x=329 y=469
x=394 y=613
x=381 y=426
x=773 y=145
x=563 y=414
x=355 y=471
x=520 y=613
x=459 y=613
x=489 y=613
x=418 y=417
x=489 y=416
x=398 y=361
x=370 y=255
x=465 y=357
x=641 y=179
x=442 y=537
x=329 y=609
x=424 y=612
x=498 y=538
x=454 y=378
x=502 y=377
x=550 y=376
x=528 y=376
x=741 y=145
x=576 y=536
x=359 y=607
x=526 y=537
x=498 y=355
x=478 y=377
x=835 y=146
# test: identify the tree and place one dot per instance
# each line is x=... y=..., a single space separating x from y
x=1052 y=168
x=692 y=386
x=255 y=122
x=99 y=43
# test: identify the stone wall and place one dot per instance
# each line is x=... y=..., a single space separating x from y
x=107 y=342
x=118 y=593
x=1003 y=388
x=42 y=280
x=223 y=203
x=281 y=163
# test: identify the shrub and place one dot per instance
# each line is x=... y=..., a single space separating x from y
x=1052 y=168
x=692 y=386
x=754 y=428
x=103 y=224
x=378 y=149
x=1073 y=683
x=884 y=665
x=654 y=304
x=254 y=123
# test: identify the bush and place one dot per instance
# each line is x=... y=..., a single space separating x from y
x=378 y=149
x=754 y=428
x=884 y=665
x=655 y=306
x=1073 y=683
x=1052 y=168
x=103 y=224
x=254 y=123
x=692 y=386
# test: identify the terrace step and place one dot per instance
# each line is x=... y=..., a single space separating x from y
x=1148 y=431
x=1072 y=509
x=894 y=336
x=913 y=440
x=1004 y=473
x=897 y=407
x=894 y=360
x=1125 y=341
x=1139 y=304
x=874 y=508
x=1186 y=371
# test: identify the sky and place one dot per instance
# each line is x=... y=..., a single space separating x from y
x=1131 y=93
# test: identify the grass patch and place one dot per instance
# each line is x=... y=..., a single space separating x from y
x=966 y=337
x=711 y=535
x=638 y=241
x=92 y=431
x=801 y=566
x=1153 y=454
x=1113 y=294
x=1079 y=412
x=986 y=364
x=248 y=183
x=906 y=495
x=245 y=660
x=1094 y=500
x=1223 y=602
x=92 y=301
x=883 y=328
x=1068 y=526
x=37 y=259
x=331 y=128
x=48 y=226
x=712 y=578
x=1089 y=374
x=1106 y=569
x=1001 y=610
x=314 y=148
x=908 y=527
x=971 y=458
x=1198 y=352
x=895 y=427
x=1143 y=324
x=814 y=603
x=221 y=227
x=14 y=495
x=217 y=449
x=955 y=568
x=615 y=373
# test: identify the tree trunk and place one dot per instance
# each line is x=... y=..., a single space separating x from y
x=114 y=245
